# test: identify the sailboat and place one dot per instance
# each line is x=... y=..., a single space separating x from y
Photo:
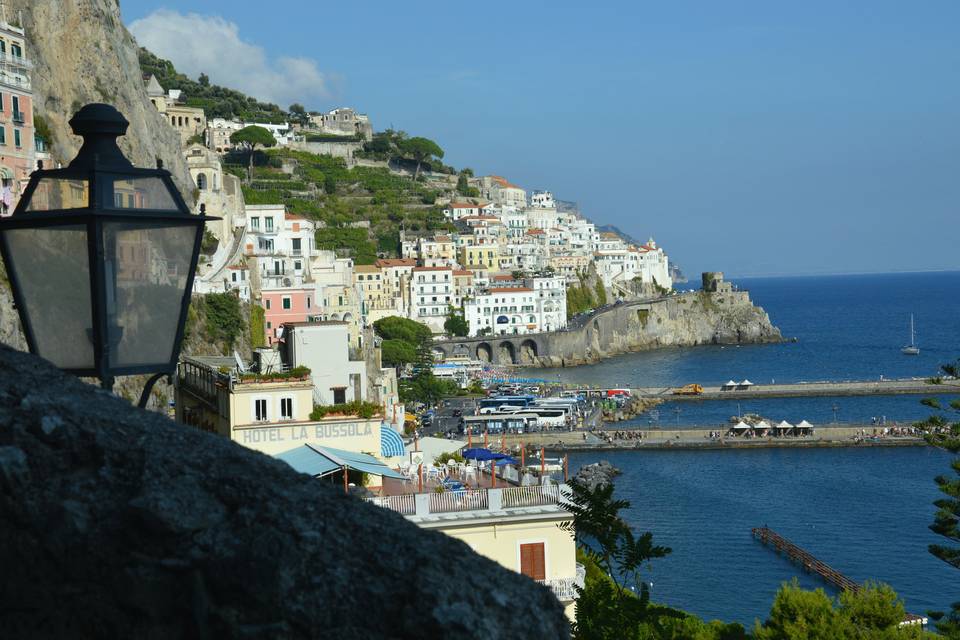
x=911 y=349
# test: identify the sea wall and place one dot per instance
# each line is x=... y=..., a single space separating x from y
x=686 y=319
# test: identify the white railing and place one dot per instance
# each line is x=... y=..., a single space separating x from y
x=468 y=500
x=566 y=588
x=531 y=496
x=403 y=504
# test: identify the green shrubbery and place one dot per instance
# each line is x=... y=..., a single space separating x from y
x=293 y=374
x=362 y=409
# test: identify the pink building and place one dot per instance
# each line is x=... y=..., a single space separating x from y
x=17 y=155
x=286 y=305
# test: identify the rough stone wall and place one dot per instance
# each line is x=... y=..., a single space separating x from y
x=119 y=523
x=82 y=53
x=682 y=320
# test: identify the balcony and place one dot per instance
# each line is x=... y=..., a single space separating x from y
x=15 y=61
x=495 y=501
x=18 y=117
x=566 y=588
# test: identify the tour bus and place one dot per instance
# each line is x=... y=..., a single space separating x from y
x=547 y=417
x=498 y=423
x=489 y=405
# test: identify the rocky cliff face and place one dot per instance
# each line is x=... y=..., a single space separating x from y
x=682 y=320
x=82 y=53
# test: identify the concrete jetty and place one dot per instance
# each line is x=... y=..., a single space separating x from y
x=919 y=386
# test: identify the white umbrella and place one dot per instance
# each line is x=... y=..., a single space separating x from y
x=805 y=425
x=746 y=383
x=730 y=383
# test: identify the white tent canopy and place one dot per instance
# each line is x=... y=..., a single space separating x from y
x=730 y=383
x=804 y=425
x=746 y=383
x=741 y=425
x=786 y=426
x=761 y=425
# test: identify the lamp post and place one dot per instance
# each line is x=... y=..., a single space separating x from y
x=101 y=257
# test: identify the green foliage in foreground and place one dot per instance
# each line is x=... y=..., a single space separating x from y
x=943 y=430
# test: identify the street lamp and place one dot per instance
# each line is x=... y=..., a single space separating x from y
x=101 y=257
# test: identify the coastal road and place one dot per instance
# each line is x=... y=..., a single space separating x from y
x=809 y=389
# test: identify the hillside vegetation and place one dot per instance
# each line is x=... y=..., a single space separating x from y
x=362 y=209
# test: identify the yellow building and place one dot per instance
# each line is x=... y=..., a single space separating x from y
x=484 y=255
x=269 y=416
x=515 y=526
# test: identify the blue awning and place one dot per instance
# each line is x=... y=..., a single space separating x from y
x=391 y=444
x=320 y=461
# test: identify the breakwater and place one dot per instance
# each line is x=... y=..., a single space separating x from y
x=807 y=389
x=685 y=319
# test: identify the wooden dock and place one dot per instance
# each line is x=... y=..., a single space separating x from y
x=799 y=556
x=811 y=564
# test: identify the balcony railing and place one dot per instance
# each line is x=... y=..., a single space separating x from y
x=531 y=496
x=18 y=117
x=17 y=61
x=471 y=500
x=565 y=588
x=404 y=505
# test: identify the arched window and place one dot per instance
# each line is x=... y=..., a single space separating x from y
x=201 y=181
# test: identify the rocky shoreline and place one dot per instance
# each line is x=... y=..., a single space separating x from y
x=597 y=474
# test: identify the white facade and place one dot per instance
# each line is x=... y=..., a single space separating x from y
x=518 y=310
x=282 y=245
x=432 y=293
x=324 y=347
x=542 y=200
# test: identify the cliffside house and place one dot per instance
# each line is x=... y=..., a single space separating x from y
x=17 y=138
x=187 y=121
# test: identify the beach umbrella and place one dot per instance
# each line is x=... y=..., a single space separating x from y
x=804 y=425
x=480 y=455
x=784 y=426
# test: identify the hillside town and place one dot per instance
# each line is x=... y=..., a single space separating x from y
x=316 y=392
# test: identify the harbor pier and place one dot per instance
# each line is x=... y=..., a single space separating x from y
x=880 y=387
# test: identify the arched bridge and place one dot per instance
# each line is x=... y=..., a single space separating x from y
x=505 y=349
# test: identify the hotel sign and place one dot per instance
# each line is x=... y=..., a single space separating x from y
x=275 y=439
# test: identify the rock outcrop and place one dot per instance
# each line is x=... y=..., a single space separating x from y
x=597 y=474
x=116 y=522
x=682 y=320
x=82 y=53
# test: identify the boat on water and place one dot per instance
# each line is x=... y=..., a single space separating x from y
x=911 y=349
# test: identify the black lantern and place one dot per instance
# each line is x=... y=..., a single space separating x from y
x=101 y=257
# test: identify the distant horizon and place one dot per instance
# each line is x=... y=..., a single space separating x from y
x=754 y=138
x=832 y=274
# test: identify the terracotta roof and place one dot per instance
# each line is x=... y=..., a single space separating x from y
x=610 y=235
x=365 y=268
x=462 y=272
x=431 y=268
x=464 y=205
x=481 y=218
x=535 y=232
x=241 y=267
x=396 y=262
x=442 y=239
x=503 y=182
x=503 y=278
x=510 y=290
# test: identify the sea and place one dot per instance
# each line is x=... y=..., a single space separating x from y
x=863 y=511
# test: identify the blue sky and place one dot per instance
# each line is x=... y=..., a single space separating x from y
x=758 y=138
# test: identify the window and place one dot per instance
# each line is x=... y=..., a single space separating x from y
x=16 y=139
x=308 y=303
x=297 y=265
x=295 y=242
x=267 y=302
x=532 y=562
x=285 y=302
x=286 y=408
x=1 y=95
x=339 y=395
x=269 y=325
x=255 y=223
x=260 y=409
x=268 y=222
x=16 y=50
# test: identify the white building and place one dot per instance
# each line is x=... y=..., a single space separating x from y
x=325 y=348
x=281 y=245
x=432 y=293
x=539 y=306
x=542 y=200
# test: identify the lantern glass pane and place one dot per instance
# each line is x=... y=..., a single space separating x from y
x=60 y=193
x=124 y=192
x=52 y=270
x=147 y=264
